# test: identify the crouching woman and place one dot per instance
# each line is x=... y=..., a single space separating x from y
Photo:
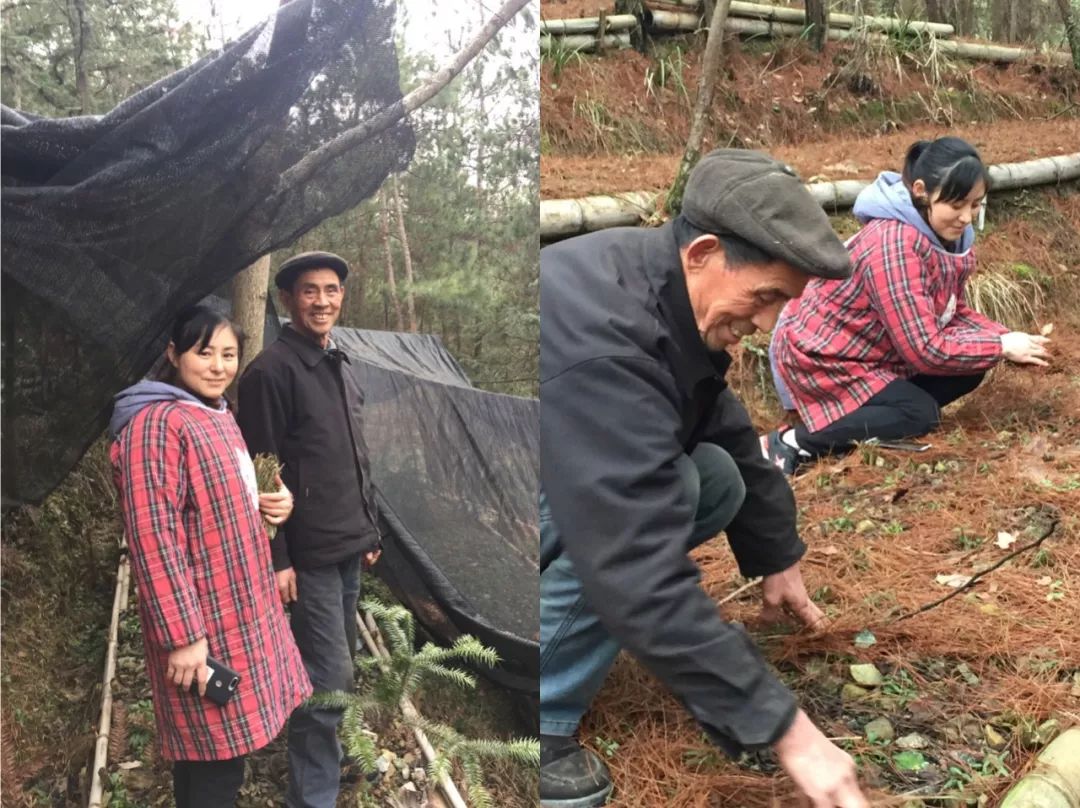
x=879 y=354
x=200 y=557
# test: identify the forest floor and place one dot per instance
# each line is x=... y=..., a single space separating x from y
x=59 y=562
x=969 y=690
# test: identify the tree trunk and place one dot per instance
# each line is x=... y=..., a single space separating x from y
x=710 y=67
x=1070 y=15
x=391 y=281
x=410 y=301
x=249 y=290
x=80 y=37
x=817 y=23
x=1001 y=17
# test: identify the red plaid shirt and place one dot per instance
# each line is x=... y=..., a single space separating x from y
x=201 y=560
x=900 y=314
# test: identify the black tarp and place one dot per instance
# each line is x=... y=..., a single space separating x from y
x=457 y=474
x=112 y=224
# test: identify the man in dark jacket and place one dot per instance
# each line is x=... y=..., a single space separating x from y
x=297 y=403
x=646 y=453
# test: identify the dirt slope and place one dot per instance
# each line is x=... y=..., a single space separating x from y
x=835 y=157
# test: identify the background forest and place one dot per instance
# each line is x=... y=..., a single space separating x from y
x=448 y=247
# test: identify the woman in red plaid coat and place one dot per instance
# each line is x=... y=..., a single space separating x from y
x=878 y=355
x=201 y=560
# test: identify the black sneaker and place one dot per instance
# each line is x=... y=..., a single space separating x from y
x=571 y=776
x=784 y=457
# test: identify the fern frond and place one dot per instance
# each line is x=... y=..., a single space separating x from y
x=470 y=649
x=521 y=750
x=460 y=678
x=331 y=700
x=439 y=767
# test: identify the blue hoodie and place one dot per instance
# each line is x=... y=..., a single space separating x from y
x=130 y=401
x=888 y=198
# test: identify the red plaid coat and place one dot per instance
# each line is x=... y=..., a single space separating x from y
x=201 y=560
x=900 y=314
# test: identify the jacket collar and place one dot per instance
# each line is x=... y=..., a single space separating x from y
x=308 y=351
x=663 y=267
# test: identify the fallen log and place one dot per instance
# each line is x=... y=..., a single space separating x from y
x=583 y=42
x=561 y=218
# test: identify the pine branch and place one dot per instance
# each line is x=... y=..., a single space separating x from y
x=1049 y=529
x=306 y=168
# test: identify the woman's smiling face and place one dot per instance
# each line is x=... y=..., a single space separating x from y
x=207 y=370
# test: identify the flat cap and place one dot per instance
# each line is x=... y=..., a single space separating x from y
x=761 y=200
x=289 y=271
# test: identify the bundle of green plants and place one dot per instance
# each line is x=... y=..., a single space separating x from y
x=267 y=474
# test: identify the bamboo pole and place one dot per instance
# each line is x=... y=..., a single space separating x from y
x=679 y=21
x=583 y=42
x=663 y=21
x=101 y=747
x=1055 y=780
x=761 y=11
x=560 y=218
x=589 y=25
x=373 y=640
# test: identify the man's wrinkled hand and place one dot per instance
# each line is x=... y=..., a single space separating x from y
x=823 y=773
x=785 y=592
x=371 y=558
x=286 y=584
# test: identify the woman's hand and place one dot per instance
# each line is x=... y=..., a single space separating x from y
x=188 y=664
x=276 y=507
x=1025 y=349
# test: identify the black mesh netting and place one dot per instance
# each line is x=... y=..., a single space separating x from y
x=112 y=224
x=457 y=471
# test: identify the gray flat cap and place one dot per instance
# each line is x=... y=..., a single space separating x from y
x=761 y=200
x=291 y=269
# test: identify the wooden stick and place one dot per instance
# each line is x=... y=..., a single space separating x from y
x=974 y=578
x=373 y=640
x=749 y=584
x=101 y=748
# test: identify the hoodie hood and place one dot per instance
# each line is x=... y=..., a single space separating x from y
x=130 y=401
x=888 y=198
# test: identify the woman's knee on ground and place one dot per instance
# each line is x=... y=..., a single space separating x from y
x=921 y=413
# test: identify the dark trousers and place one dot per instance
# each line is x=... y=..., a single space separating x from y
x=324 y=626
x=906 y=408
x=207 y=783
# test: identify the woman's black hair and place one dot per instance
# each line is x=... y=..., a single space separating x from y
x=193 y=326
x=948 y=164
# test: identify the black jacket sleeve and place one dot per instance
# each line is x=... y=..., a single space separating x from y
x=762 y=535
x=263 y=419
x=608 y=448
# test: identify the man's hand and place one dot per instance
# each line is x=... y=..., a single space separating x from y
x=786 y=591
x=188 y=664
x=824 y=773
x=371 y=558
x=276 y=506
x=1025 y=349
x=286 y=584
